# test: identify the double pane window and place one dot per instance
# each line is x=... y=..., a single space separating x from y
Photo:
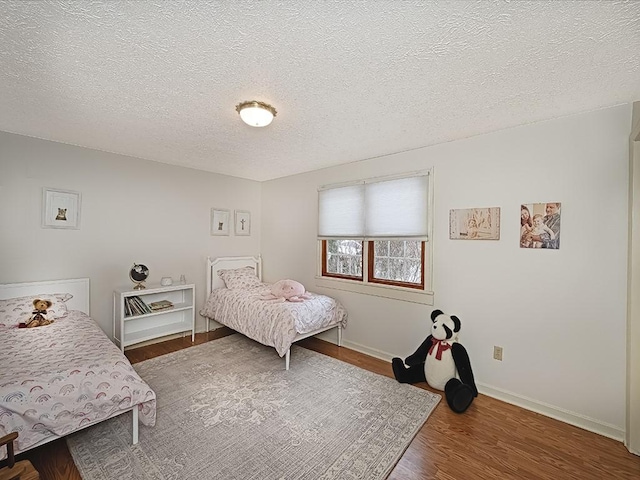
x=376 y=231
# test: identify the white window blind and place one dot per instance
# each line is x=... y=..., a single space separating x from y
x=341 y=212
x=376 y=209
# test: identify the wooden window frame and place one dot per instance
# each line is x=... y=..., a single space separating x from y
x=370 y=273
x=325 y=273
x=396 y=283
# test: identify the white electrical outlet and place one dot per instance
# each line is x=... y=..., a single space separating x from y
x=497 y=353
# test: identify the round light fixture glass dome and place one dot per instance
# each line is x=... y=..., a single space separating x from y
x=256 y=114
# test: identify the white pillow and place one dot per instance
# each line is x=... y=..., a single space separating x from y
x=14 y=311
x=240 y=278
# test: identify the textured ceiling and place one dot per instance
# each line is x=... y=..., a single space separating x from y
x=351 y=80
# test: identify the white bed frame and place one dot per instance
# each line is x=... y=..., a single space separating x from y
x=79 y=288
x=214 y=265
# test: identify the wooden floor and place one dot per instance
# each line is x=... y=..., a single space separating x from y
x=491 y=440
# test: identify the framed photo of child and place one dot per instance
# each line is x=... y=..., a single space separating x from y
x=540 y=225
x=474 y=224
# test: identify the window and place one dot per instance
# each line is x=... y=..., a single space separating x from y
x=375 y=232
x=390 y=262
x=397 y=262
x=342 y=258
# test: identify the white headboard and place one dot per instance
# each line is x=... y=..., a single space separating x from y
x=78 y=287
x=214 y=265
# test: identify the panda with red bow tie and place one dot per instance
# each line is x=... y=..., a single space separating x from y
x=442 y=362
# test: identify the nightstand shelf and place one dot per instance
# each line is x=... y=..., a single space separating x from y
x=131 y=329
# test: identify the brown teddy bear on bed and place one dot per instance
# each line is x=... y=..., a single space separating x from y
x=39 y=315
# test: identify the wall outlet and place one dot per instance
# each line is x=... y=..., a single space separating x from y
x=497 y=353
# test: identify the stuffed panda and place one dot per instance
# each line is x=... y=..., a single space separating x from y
x=442 y=362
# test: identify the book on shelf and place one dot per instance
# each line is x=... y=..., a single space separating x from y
x=160 y=305
x=135 y=306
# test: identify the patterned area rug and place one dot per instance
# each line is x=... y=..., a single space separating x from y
x=227 y=409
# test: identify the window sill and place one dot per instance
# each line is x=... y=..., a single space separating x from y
x=396 y=293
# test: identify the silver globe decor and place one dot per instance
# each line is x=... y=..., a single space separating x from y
x=138 y=274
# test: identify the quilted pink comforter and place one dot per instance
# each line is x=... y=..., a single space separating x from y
x=58 y=378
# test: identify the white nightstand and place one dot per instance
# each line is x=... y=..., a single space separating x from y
x=129 y=329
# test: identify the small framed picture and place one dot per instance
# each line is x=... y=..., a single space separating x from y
x=243 y=222
x=474 y=224
x=60 y=209
x=219 y=221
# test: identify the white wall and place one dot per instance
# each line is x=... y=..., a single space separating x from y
x=132 y=210
x=559 y=315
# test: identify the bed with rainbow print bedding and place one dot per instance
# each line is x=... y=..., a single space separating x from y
x=63 y=376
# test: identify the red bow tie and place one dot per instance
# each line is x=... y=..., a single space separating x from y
x=442 y=346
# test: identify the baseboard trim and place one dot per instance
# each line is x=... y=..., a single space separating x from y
x=572 y=418
x=372 y=352
x=566 y=416
x=632 y=450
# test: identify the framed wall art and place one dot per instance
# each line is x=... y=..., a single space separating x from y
x=474 y=224
x=540 y=225
x=219 y=221
x=60 y=208
x=243 y=222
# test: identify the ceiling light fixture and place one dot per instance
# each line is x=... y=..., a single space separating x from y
x=256 y=114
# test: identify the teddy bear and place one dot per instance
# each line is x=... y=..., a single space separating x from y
x=442 y=362
x=287 y=290
x=38 y=316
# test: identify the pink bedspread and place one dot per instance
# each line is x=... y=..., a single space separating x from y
x=62 y=377
x=272 y=323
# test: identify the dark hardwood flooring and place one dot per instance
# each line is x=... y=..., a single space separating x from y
x=491 y=440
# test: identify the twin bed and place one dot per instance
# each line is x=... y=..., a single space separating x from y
x=59 y=378
x=236 y=300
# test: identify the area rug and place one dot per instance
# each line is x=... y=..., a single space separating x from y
x=227 y=409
